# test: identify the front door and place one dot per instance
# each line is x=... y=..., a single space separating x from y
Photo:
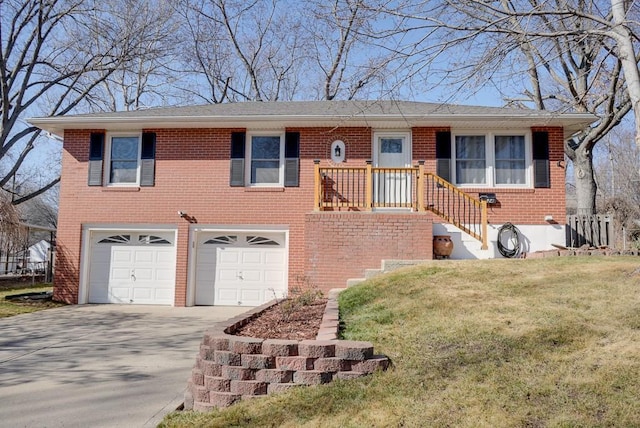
x=391 y=185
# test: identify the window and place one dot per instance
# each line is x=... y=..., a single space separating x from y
x=492 y=160
x=265 y=159
x=390 y=145
x=471 y=162
x=265 y=153
x=510 y=159
x=122 y=159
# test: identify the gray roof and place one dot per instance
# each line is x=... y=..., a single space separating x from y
x=280 y=114
x=312 y=108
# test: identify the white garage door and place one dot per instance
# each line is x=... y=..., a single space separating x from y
x=132 y=267
x=240 y=269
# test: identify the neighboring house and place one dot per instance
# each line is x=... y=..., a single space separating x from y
x=233 y=204
x=29 y=260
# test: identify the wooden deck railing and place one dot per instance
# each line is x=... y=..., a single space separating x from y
x=366 y=188
x=456 y=207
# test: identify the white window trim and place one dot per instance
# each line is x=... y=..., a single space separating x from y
x=106 y=172
x=249 y=158
x=490 y=158
x=406 y=135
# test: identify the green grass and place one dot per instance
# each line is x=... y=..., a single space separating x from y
x=8 y=309
x=546 y=342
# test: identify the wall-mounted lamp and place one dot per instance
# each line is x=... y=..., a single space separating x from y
x=560 y=164
x=187 y=217
x=337 y=151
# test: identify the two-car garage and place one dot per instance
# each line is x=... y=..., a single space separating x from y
x=226 y=267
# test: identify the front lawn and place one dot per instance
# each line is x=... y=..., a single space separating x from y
x=8 y=309
x=545 y=342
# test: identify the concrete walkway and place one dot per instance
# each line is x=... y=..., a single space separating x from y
x=99 y=366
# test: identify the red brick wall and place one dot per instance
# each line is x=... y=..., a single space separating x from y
x=340 y=246
x=192 y=175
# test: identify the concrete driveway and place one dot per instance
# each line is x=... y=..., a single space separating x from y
x=99 y=365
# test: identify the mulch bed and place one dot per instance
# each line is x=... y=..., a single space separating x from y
x=287 y=320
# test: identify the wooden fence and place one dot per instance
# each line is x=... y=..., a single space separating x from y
x=594 y=230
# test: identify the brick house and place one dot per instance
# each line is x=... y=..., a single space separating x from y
x=233 y=204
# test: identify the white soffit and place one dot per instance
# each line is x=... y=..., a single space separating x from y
x=268 y=116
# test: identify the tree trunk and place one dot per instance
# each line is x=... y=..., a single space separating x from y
x=627 y=55
x=585 y=181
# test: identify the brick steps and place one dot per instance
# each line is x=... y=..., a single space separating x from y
x=385 y=267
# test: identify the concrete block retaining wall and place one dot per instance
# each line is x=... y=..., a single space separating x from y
x=231 y=368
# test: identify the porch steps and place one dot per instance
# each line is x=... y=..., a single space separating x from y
x=386 y=266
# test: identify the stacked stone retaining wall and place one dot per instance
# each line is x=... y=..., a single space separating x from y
x=231 y=368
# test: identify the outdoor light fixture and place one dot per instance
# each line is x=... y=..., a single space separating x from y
x=337 y=151
x=187 y=217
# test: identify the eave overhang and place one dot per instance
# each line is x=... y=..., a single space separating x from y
x=571 y=122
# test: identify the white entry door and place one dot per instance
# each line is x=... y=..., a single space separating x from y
x=132 y=267
x=392 y=189
x=240 y=269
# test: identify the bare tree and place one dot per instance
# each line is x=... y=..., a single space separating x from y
x=277 y=50
x=242 y=50
x=348 y=60
x=53 y=56
x=569 y=55
x=146 y=79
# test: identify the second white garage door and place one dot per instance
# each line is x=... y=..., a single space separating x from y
x=240 y=269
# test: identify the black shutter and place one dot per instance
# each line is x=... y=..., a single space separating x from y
x=148 y=159
x=443 y=154
x=292 y=159
x=96 y=156
x=541 y=174
x=237 y=158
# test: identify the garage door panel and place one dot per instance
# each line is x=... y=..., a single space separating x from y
x=274 y=257
x=142 y=274
x=274 y=276
x=227 y=274
x=164 y=274
x=165 y=257
x=120 y=255
x=250 y=275
x=251 y=297
x=120 y=294
x=143 y=293
x=251 y=257
x=228 y=296
x=229 y=256
x=144 y=256
x=120 y=274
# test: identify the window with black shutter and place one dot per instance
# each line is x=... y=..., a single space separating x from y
x=237 y=158
x=292 y=159
x=443 y=154
x=541 y=173
x=96 y=157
